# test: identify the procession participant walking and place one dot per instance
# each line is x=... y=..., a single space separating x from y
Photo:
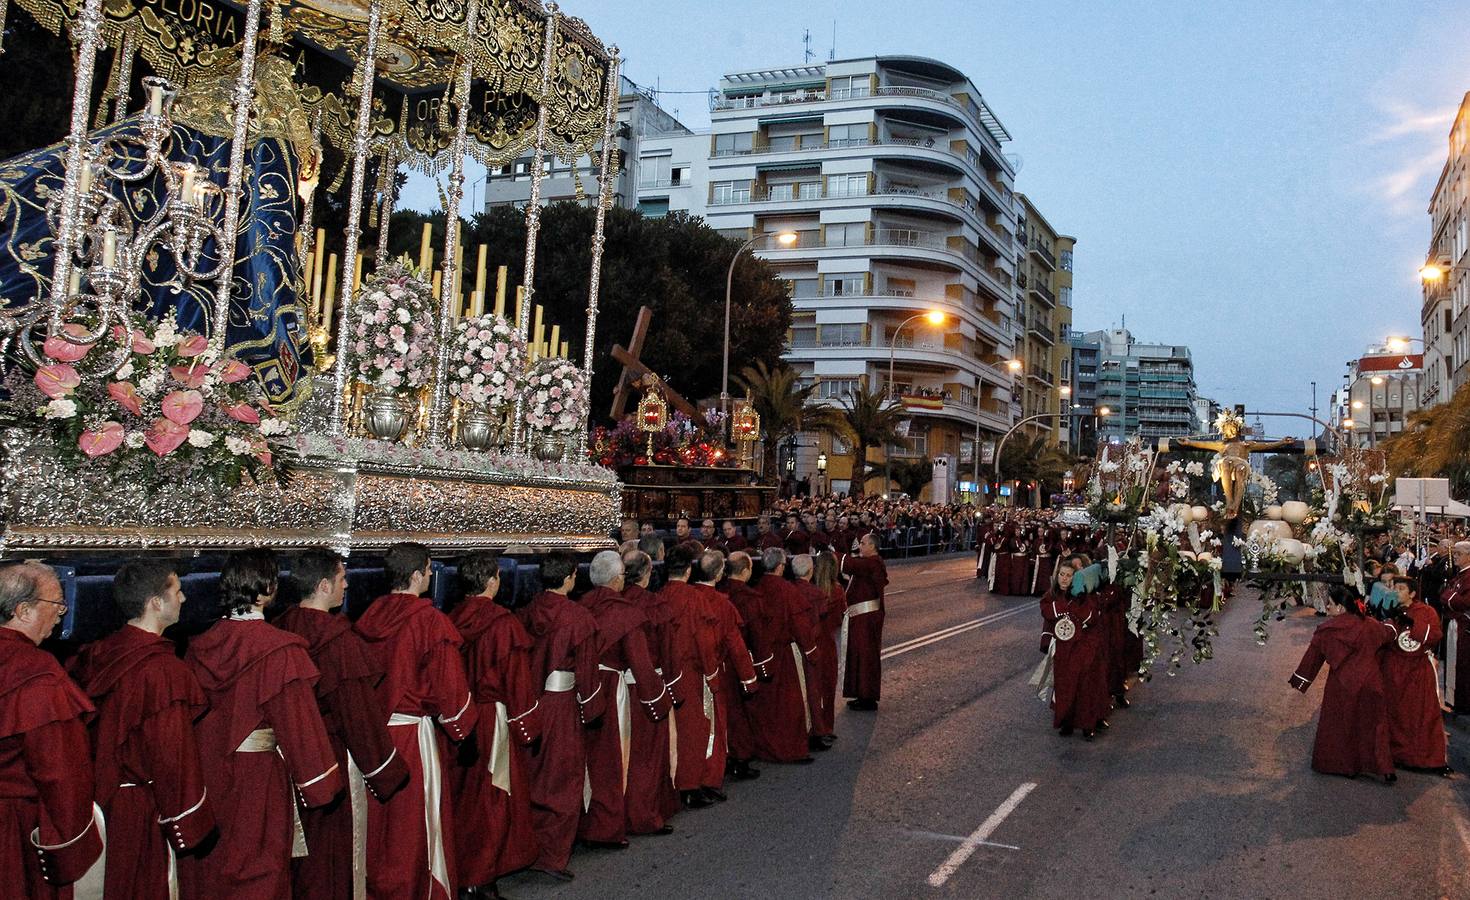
x=815 y=606
x=627 y=674
x=1073 y=625
x=492 y=795
x=335 y=866
x=780 y=717
x=49 y=835
x=1353 y=729
x=692 y=737
x=1454 y=603
x=739 y=725
x=824 y=576
x=731 y=659
x=150 y=783
x=564 y=663
x=262 y=742
x=651 y=799
x=1416 y=735
x=863 y=627
x=410 y=837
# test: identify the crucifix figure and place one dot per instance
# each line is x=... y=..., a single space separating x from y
x=1232 y=468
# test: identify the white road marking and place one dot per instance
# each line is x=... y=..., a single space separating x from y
x=959 y=838
x=942 y=634
x=965 y=850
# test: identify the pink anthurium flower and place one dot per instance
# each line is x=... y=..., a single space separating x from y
x=164 y=436
x=189 y=376
x=141 y=345
x=183 y=407
x=101 y=441
x=243 y=412
x=264 y=455
x=192 y=346
x=63 y=350
x=57 y=380
x=233 y=371
x=126 y=396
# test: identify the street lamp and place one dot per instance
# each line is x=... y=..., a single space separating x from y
x=785 y=239
x=935 y=317
x=1400 y=344
x=822 y=470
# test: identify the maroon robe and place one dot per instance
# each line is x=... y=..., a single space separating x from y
x=731 y=660
x=797 y=542
x=780 y=711
x=732 y=544
x=1455 y=601
x=45 y=774
x=622 y=652
x=863 y=675
x=739 y=723
x=150 y=783
x=563 y=640
x=356 y=725
x=827 y=645
x=824 y=652
x=1416 y=735
x=1080 y=693
x=651 y=795
x=256 y=677
x=1353 y=731
x=1113 y=623
x=693 y=638
x=493 y=823
x=417 y=649
x=768 y=540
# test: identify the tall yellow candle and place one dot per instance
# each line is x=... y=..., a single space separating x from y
x=555 y=340
x=426 y=248
x=438 y=282
x=306 y=269
x=480 y=281
x=520 y=304
x=538 y=332
x=461 y=305
x=357 y=275
x=500 y=274
x=331 y=300
x=565 y=350
x=316 y=272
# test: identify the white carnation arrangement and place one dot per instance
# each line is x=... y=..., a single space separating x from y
x=391 y=330
x=557 y=394
x=487 y=361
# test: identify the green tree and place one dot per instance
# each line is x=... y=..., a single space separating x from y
x=781 y=402
x=1033 y=459
x=912 y=474
x=864 y=419
x=1436 y=443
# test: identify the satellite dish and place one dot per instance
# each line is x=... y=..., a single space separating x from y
x=1016 y=161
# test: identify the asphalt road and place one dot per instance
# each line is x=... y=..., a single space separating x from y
x=958 y=787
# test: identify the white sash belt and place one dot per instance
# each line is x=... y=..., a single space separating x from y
x=263 y=740
x=357 y=795
x=433 y=787
x=806 y=706
x=500 y=749
x=559 y=681
x=1451 y=660
x=625 y=733
x=862 y=609
x=709 y=713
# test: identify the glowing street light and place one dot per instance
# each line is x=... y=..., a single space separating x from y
x=1431 y=272
x=1014 y=365
x=1104 y=411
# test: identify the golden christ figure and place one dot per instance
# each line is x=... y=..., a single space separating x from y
x=1232 y=468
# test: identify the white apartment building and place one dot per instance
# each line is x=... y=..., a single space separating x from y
x=1379 y=392
x=890 y=173
x=1442 y=314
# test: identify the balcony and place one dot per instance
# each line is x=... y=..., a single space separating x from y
x=655 y=184
x=1041 y=331
x=1042 y=253
x=1044 y=293
x=980 y=117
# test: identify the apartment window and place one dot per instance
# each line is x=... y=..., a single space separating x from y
x=732 y=191
x=732 y=144
x=846 y=284
x=783 y=142
x=850 y=234
x=850 y=185
x=1064 y=296
x=654 y=209
x=847 y=135
x=847 y=87
x=803 y=333
x=1066 y=260
x=836 y=388
x=654 y=171
x=844 y=335
x=805 y=288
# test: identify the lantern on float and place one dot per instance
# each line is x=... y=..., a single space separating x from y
x=653 y=414
x=745 y=427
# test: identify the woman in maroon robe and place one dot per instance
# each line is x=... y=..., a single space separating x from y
x=1353 y=730
x=1416 y=735
x=1080 y=692
x=492 y=797
x=825 y=578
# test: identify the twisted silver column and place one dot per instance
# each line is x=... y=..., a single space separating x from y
x=604 y=200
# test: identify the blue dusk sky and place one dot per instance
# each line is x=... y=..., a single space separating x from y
x=1247 y=178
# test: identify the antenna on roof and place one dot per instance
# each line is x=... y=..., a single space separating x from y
x=806 y=41
x=832 y=54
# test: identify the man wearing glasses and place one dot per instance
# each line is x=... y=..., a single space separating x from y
x=45 y=764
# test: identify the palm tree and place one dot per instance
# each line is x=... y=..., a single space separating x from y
x=1033 y=459
x=780 y=401
x=1436 y=443
x=864 y=419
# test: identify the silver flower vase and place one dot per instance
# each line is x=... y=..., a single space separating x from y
x=478 y=429
x=386 y=415
x=550 y=447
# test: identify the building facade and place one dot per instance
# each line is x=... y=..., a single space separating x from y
x=1379 y=391
x=1446 y=327
x=639 y=117
x=1044 y=280
x=1149 y=389
x=889 y=173
x=1085 y=350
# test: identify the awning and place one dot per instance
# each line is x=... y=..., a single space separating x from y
x=790 y=167
x=1455 y=509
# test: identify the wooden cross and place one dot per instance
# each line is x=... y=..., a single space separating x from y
x=634 y=372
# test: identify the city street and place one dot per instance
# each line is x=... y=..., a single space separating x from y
x=958 y=787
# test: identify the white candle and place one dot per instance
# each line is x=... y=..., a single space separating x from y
x=84 y=182
x=155 y=100
x=76 y=281
x=186 y=186
x=109 y=248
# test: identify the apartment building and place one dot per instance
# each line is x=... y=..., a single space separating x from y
x=1379 y=391
x=887 y=177
x=1044 y=284
x=1446 y=327
x=1149 y=389
x=1082 y=427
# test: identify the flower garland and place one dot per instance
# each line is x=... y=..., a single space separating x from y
x=172 y=411
x=558 y=395
x=487 y=361
x=391 y=327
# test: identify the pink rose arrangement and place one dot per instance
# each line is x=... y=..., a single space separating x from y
x=173 y=409
x=557 y=395
x=390 y=330
x=487 y=361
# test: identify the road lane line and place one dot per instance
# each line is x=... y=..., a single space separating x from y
x=965 y=850
x=959 y=838
x=943 y=634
